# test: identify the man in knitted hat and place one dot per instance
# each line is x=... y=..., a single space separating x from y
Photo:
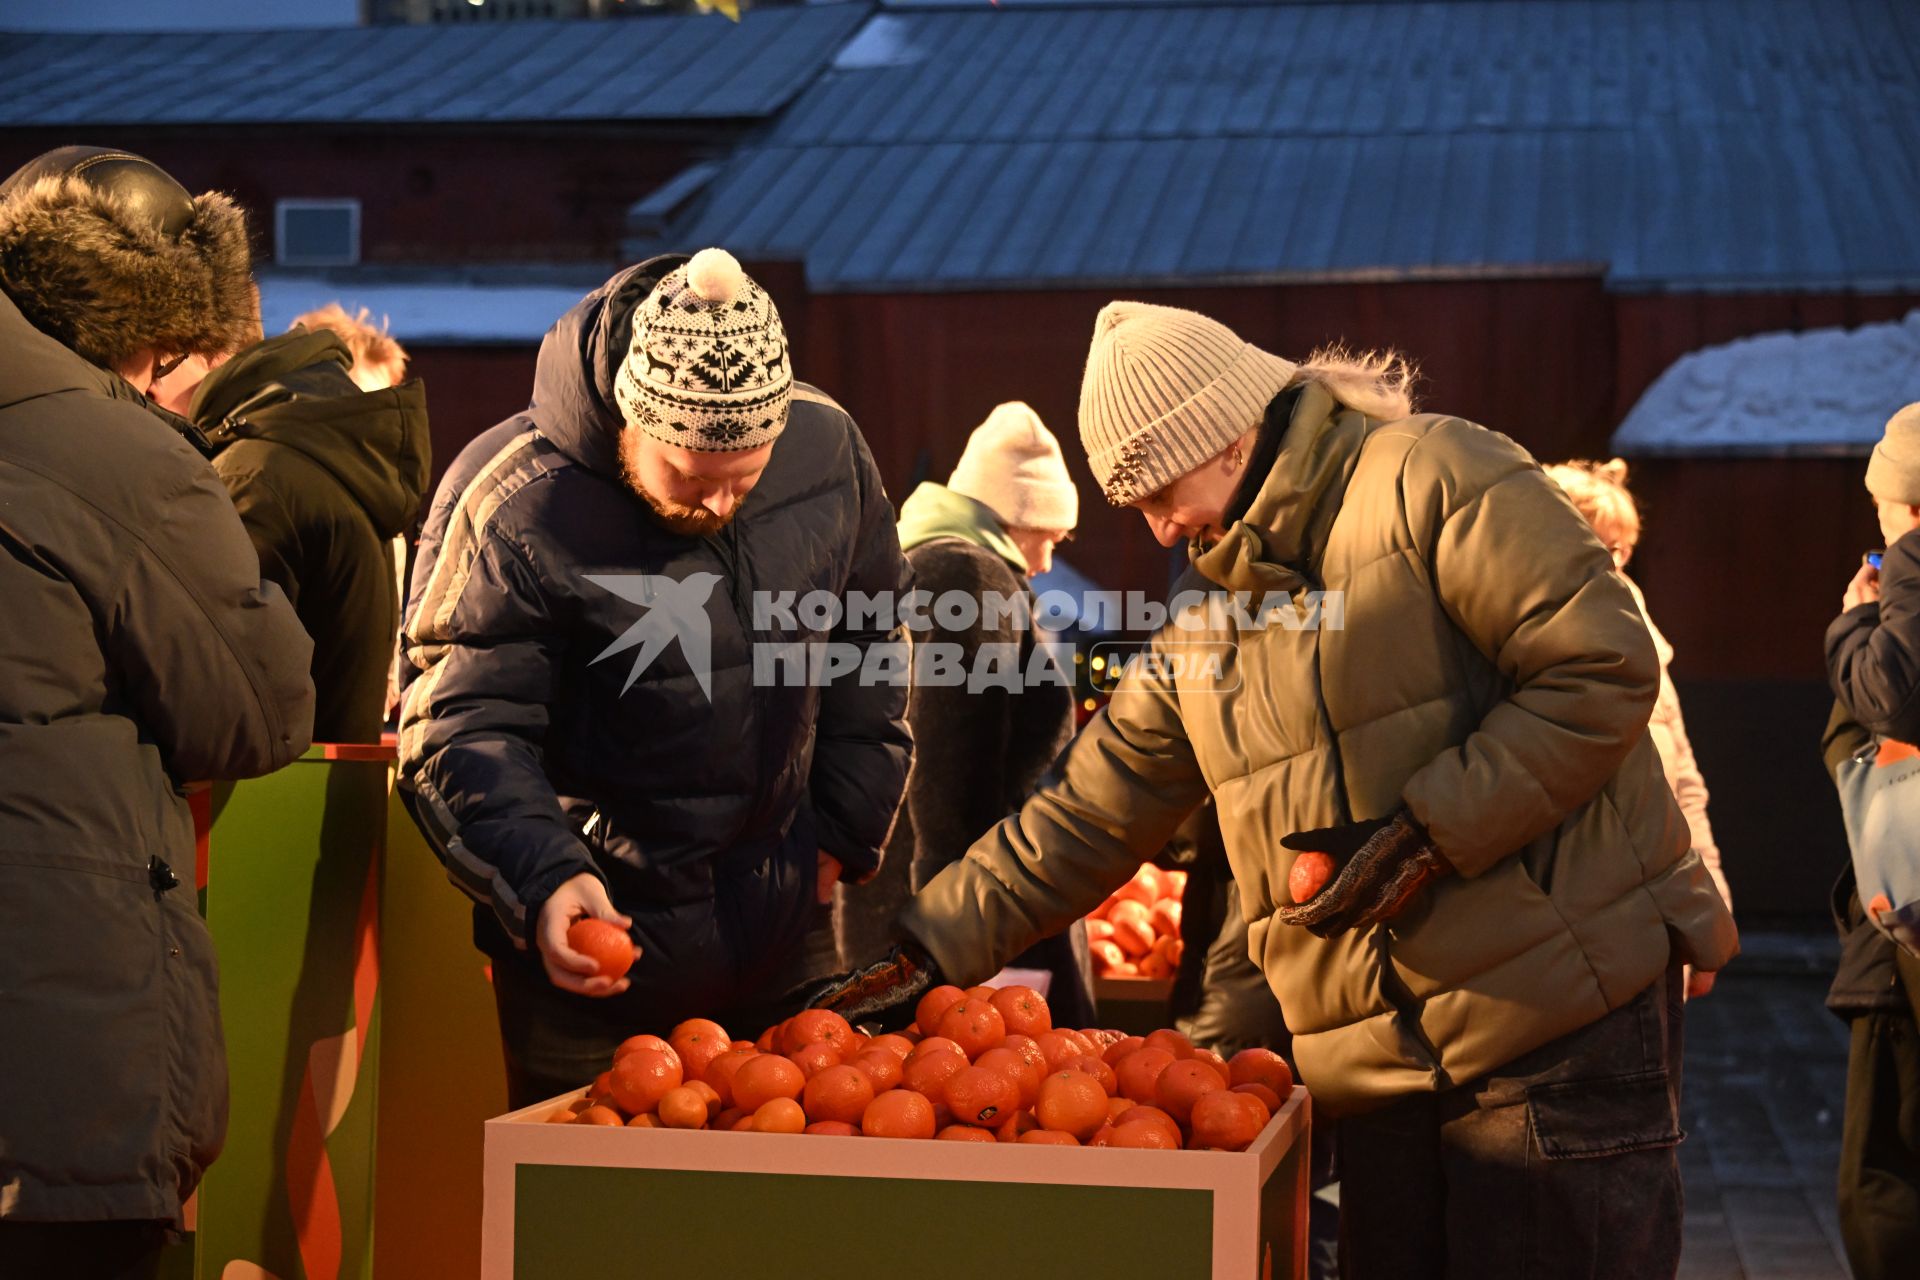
x=1440 y=689
x=589 y=728
x=139 y=651
x=981 y=745
x=1873 y=664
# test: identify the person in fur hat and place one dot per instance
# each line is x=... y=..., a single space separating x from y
x=979 y=751
x=139 y=651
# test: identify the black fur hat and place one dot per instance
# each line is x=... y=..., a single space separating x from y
x=104 y=251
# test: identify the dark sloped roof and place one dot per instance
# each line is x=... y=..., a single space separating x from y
x=1692 y=143
x=637 y=69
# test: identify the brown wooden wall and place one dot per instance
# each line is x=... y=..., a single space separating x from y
x=500 y=194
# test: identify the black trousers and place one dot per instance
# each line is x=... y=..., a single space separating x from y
x=1561 y=1165
x=1880 y=1147
x=81 y=1250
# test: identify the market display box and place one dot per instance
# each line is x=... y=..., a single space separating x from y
x=563 y=1201
x=1136 y=1006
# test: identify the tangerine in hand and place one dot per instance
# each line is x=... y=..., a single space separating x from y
x=607 y=945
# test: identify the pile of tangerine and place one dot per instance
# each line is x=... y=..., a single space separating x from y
x=992 y=1068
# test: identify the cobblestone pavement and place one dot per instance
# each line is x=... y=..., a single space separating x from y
x=1765 y=1079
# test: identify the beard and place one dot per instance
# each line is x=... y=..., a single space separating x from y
x=692 y=522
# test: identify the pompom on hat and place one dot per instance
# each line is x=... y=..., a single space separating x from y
x=708 y=369
x=1012 y=465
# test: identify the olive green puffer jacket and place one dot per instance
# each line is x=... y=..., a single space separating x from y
x=1492 y=673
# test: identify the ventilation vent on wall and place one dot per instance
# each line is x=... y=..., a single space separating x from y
x=316 y=233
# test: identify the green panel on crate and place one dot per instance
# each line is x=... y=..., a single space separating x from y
x=291 y=859
x=571 y=1221
x=1281 y=1215
x=441 y=1072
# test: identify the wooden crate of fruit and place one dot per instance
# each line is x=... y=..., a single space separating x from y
x=971 y=1151
x=1135 y=940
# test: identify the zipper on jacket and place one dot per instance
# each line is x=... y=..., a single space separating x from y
x=726 y=546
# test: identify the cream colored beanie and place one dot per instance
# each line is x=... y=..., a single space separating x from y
x=1893 y=473
x=1012 y=465
x=1165 y=390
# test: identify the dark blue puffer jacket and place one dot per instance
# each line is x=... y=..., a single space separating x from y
x=529 y=757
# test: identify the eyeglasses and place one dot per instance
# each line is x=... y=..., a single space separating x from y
x=162 y=368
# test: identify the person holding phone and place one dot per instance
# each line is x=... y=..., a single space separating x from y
x=1873 y=664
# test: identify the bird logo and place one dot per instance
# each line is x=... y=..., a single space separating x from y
x=673 y=608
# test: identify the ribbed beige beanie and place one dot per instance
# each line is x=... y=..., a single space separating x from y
x=1165 y=390
x=1013 y=466
x=1893 y=473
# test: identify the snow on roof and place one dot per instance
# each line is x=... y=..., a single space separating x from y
x=427 y=313
x=1825 y=391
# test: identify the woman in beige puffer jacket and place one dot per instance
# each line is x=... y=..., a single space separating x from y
x=1400 y=644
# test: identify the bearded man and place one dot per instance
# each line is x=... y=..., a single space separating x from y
x=591 y=727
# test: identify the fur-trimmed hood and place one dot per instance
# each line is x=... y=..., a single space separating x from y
x=89 y=266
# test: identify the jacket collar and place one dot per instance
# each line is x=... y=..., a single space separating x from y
x=1276 y=545
x=934 y=511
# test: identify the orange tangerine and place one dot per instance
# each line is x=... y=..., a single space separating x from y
x=779 y=1115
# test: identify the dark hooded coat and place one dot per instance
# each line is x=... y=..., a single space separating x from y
x=535 y=747
x=324 y=475
x=139 y=651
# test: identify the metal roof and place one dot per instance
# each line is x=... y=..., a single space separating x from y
x=1691 y=143
x=1821 y=392
x=635 y=69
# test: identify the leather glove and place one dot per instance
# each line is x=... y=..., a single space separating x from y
x=884 y=992
x=1379 y=867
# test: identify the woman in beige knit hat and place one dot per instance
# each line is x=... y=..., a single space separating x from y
x=1451 y=699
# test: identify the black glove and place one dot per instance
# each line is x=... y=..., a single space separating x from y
x=884 y=992
x=1379 y=867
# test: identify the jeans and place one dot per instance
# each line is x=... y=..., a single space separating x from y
x=1560 y=1165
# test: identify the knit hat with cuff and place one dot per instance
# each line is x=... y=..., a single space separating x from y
x=1165 y=390
x=708 y=367
x=1893 y=473
x=1013 y=466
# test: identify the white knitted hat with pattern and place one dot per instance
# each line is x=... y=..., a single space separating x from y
x=1165 y=390
x=1013 y=466
x=708 y=367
